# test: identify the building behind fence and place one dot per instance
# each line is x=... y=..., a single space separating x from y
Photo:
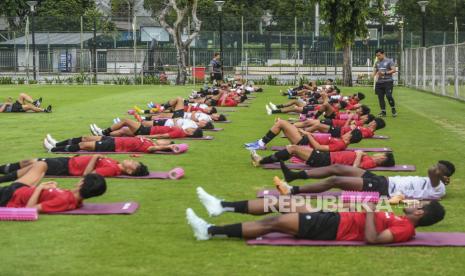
x=65 y=49
x=138 y=47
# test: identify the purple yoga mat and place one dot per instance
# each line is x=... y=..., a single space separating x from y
x=152 y=175
x=126 y=208
x=275 y=193
x=214 y=129
x=277 y=148
x=421 y=239
x=113 y=152
x=301 y=166
x=223 y=122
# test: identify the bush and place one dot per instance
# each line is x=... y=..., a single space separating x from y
x=81 y=78
x=32 y=82
x=303 y=80
x=48 y=81
x=58 y=80
x=6 y=80
x=70 y=80
x=21 y=80
x=271 y=80
x=122 y=81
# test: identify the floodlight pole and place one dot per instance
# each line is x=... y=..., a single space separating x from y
x=32 y=4
x=94 y=51
x=219 y=5
x=402 y=62
x=423 y=5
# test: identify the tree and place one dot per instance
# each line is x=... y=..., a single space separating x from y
x=345 y=21
x=172 y=15
x=440 y=14
x=15 y=11
x=62 y=15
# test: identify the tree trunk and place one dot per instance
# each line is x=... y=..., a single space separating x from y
x=347 y=66
x=182 y=67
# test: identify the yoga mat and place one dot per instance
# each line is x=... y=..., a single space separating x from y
x=433 y=239
x=275 y=193
x=300 y=166
x=214 y=129
x=266 y=192
x=277 y=148
x=192 y=138
x=223 y=122
x=176 y=173
x=242 y=105
x=374 y=137
x=112 y=152
x=126 y=208
x=225 y=109
x=378 y=137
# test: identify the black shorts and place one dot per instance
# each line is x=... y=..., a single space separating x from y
x=327 y=121
x=56 y=166
x=304 y=141
x=318 y=226
x=143 y=130
x=319 y=159
x=375 y=183
x=332 y=116
x=159 y=122
x=213 y=102
x=178 y=113
x=216 y=76
x=107 y=144
x=307 y=109
x=17 y=107
x=335 y=131
x=7 y=192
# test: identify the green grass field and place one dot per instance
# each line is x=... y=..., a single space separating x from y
x=157 y=240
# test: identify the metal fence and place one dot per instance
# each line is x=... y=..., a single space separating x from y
x=437 y=69
x=135 y=48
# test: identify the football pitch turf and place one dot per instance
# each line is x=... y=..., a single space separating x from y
x=157 y=239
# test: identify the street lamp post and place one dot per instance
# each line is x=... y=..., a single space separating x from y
x=423 y=5
x=219 y=5
x=32 y=4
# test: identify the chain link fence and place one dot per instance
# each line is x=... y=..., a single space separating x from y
x=437 y=69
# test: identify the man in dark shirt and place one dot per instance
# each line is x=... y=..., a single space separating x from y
x=216 y=71
x=384 y=69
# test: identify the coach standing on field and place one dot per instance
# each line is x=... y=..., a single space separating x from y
x=216 y=72
x=383 y=71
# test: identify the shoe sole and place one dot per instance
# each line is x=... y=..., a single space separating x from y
x=282 y=190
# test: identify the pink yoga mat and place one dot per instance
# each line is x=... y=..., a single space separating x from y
x=176 y=173
x=433 y=239
x=277 y=148
x=300 y=166
x=113 y=152
x=125 y=208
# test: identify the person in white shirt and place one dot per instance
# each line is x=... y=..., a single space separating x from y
x=351 y=178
